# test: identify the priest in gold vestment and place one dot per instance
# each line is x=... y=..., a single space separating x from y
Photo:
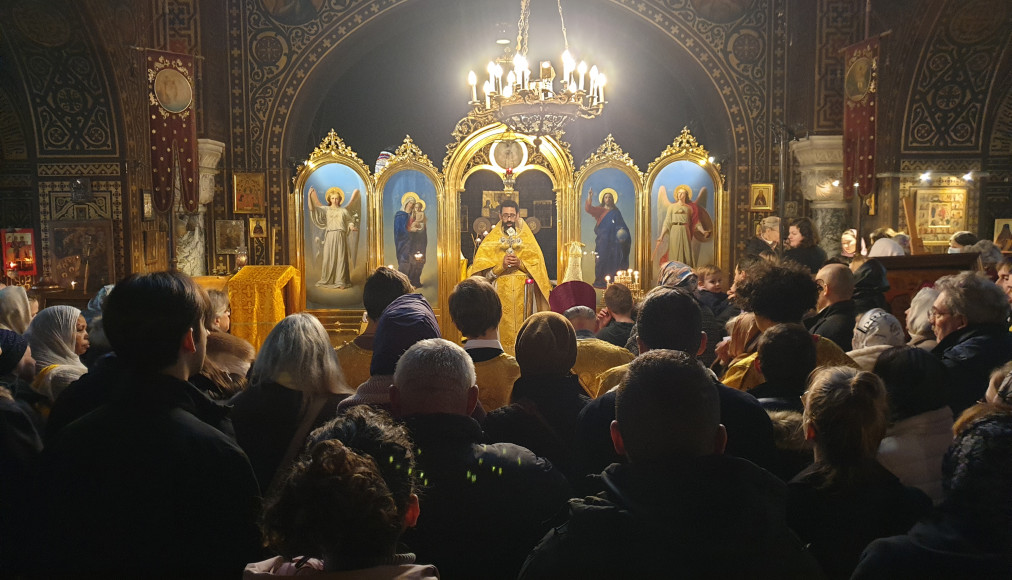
x=507 y=257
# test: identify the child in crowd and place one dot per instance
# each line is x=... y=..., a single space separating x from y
x=711 y=291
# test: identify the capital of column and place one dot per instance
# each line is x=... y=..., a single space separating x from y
x=820 y=162
x=209 y=153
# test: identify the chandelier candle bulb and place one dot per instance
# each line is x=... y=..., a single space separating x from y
x=472 y=79
x=491 y=73
x=601 y=81
x=582 y=69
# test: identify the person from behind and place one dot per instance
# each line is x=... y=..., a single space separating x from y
x=593 y=355
x=835 y=319
x=20 y=446
x=970 y=320
x=846 y=498
x=871 y=282
x=920 y=420
x=476 y=310
x=228 y=360
x=345 y=503
x=786 y=356
x=381 y=288
x=919 y=319
x=221 y=309
x=969 y=535
x=678 y=503
x=144 y=483
x=748 y=426
x=876 y=331
x=547 y=398
x=615 y=319
x=408 y=319
x=295 y=386
x=485 y=505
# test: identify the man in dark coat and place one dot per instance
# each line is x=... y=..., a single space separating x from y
x=143 y=484
x=679 y=507
x=484 y=506
x=749 y=428
x=835 y=319
x=970 y=320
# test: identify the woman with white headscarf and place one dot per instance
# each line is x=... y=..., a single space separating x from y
x=14 y=310
x=58 y=335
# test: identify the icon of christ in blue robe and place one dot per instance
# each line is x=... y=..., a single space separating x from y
x=613 y=238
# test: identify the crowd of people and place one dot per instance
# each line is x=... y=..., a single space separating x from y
x=786 y=425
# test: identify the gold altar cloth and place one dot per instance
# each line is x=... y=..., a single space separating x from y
x=261 y=296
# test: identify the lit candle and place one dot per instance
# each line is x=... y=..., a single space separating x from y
x=488 y=89
x=582 y=69
x=472 y=79
x=593 y=81
x=518 y=67
x=637 y=275
x=607 y=279
x=498 y=78
x=491 y=73
x=511 y=79
x=73 y=284
x=601 y=81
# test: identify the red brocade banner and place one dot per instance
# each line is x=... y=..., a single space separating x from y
x=861 y=97
x=173 y=129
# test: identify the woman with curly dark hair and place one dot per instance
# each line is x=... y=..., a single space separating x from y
x=343 y=506
x=803 y=244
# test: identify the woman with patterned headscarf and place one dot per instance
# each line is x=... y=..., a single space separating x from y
x=58 y=336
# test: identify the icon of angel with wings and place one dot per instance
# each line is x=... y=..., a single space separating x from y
x=684 y=222
x=340 y=239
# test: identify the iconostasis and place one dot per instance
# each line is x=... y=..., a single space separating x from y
x=604 y=222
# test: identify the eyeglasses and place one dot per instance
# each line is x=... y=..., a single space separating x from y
x=935 y=313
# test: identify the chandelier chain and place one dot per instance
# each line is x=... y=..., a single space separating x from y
x=522 y=25
x=563 y=22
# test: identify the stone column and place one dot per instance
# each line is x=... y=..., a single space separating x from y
x=820 y=162
x=191 y=228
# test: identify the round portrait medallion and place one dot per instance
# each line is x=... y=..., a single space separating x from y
x=172 y=90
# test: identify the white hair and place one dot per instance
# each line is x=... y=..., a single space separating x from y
x=432 y=368
x=919 y=319
x=974 y=296
x=297 y=354
x=583 y=312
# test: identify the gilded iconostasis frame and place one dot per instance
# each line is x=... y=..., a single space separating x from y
x=612 y=171
x=686 y=163
x=410 y=194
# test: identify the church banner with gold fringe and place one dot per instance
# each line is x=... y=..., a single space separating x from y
x=859 y=117
x=172 y=121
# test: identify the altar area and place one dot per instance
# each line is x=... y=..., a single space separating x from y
x=345 y=220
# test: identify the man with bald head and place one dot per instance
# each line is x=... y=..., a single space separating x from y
x=835 y=319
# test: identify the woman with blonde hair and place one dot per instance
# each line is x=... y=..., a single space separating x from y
x=58 y=336
x=846 y=498
x=295 y=385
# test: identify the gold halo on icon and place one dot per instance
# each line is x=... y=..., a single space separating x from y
x=410 y=195
x=335 y=192
x=614 y=195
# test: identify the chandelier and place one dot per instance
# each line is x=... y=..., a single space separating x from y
x=533 y=106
